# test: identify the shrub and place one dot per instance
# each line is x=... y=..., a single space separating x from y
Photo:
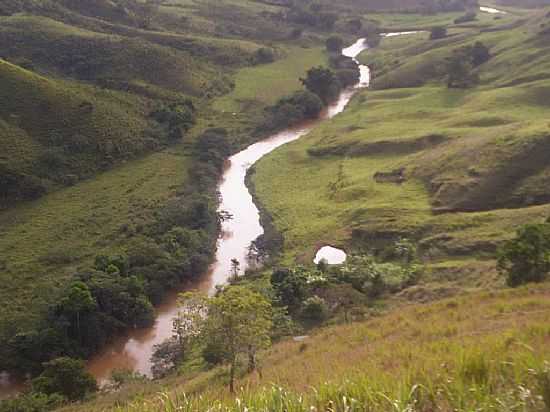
x=438 y=32
x=67 y=377
x=293 y=109
x=32 y=402
x=479 y=53
x=526 y=258
x=263 y=55
x=348 y=77
x=315 y=309
x=469 y=16
x=334 y=44
x=323 y=82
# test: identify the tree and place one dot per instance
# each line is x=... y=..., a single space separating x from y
x=78 y=299
x=166 y=356
x=438 y=32
x=67 y=377
x=240 y=319
x=235 y=269
x=355 y=25
x=479 y=54
x=459 y=69
x=315 y=309
x=323 y=83
x=469 y=16
x=334 y=44
x=290 y=286
x=327 y=20
x=263 y=55
x=526 y=258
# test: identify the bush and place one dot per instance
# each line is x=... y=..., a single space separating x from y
x=213 y=353
x=67 y=377
x=334 y=44
x=315 y=309
x=293 y=109
x=526 y=258
x=323 y=82
x=263 y=55
x=469 y=16
x=348 y=77
x=438 y=33
x=32 y=402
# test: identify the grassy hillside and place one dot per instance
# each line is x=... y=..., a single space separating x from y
x=57 y=132
x=485 y=351
x=473 y=159
x=44 y=242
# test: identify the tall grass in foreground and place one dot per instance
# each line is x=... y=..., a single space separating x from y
x=480 y=383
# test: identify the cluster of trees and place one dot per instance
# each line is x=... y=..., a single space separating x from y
x=244 y=317
x=461 y=65
x=322 y=85
x=312 y=15
x=438 y=6
x=297 y=107
x=526 y=258
x=176 y=118
x=119 y=291
x=63 y=379
x=323 y=82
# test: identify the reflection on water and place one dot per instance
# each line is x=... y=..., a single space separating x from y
x=491 y=10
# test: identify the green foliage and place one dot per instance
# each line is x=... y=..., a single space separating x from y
x=177 y=118
x=234 y=322
x=469 y=16
x=32 y=402
x=166 y=356
x=300 y=106
x=438 y=32
x=323 y=82
x=460 y=74
x=67 y=377
x=290 y=286
x=314 y=309
x=263 y=55
x=526 y=258
x=334 y=44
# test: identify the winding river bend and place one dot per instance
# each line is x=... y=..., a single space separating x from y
x=133 y=350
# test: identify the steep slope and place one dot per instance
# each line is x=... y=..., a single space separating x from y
x=55 y=132
x=475 y=352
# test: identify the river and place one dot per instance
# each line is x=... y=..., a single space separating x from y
x=133 y=350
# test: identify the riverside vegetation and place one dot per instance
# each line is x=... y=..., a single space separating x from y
x=391 y=180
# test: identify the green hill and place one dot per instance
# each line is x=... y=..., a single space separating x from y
x=474 y=159
x=57 y=132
